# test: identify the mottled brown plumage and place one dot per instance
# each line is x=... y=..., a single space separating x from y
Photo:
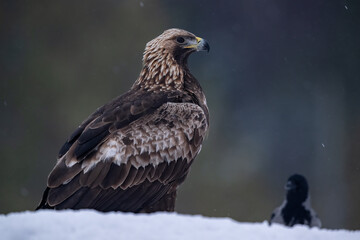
x=132 y=153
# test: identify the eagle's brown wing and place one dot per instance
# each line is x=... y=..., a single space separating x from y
x=128 y=155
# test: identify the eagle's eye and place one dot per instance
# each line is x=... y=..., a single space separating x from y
x=180 y=39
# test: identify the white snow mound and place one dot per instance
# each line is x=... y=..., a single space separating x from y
x=91 y=225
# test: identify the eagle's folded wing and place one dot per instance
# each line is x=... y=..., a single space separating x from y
x=156 y=148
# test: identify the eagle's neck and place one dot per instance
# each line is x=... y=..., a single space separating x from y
x=161 y=72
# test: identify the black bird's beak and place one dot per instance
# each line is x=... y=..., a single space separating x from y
x=289 y=186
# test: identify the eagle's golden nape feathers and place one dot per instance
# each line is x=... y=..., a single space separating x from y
x=132 y=153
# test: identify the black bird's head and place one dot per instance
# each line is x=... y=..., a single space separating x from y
x=296 y=189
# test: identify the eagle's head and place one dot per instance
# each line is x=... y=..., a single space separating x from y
x=165 y=59
x=176 y=42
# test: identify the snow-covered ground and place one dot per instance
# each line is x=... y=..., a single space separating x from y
x=89 y=225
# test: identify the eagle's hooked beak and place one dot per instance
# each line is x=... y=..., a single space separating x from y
x=200 y=45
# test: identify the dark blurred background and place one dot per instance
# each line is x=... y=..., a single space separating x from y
x=281 y=79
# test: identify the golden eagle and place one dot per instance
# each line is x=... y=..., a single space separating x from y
x=132 y=153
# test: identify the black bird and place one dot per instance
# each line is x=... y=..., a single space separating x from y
x=296 y=208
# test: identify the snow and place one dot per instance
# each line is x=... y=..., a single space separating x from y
x=89 y=224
